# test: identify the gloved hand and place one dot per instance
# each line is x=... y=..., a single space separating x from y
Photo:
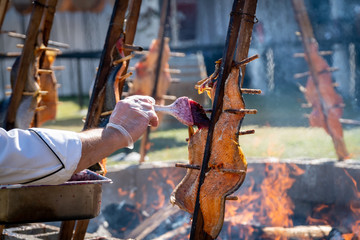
x=132 y=116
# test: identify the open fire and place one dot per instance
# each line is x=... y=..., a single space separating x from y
x=280 y=199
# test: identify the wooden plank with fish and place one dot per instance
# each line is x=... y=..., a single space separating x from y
x=216 y=147
x=320 y=93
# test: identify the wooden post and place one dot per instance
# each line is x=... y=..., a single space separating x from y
x=244 y=40
x=48 y=20
x=307 y=38
x=161 y=35
x=131 y=24
x=98 y=94
x=236 y=15
x=66 y=230
x=26 y=59
x=3 y=8
x=80 y=230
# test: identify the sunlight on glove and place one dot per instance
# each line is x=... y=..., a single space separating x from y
x=132 y=116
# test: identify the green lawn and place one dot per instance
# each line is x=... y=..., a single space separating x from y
x=283 y=142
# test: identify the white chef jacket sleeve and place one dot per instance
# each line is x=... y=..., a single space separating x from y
x=38 y=156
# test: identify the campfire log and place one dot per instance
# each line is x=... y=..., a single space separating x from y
x=151 y=223
x=171 y=234
x=297 y=232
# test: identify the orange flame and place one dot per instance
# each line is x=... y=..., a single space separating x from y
x=355 y=208
x=122 y=192
x=270 y=206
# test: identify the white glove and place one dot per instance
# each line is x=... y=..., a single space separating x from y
x=132 y=116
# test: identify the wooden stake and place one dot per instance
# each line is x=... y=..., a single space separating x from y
x=246 y=132
x=98 y=93
x=250 y=91
x=231 y=198
x=165 y=10
x=25 y=60
x=321 y=53
x=50 y=42
x=307 y=38
x=239 y=24
x=3 y=8
x=305 y=74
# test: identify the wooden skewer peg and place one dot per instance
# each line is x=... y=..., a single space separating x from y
x=11 y=54
x=172 y=71
x=306 y=105
x=236 y=111
x=16 y=35
x=125 y=76
x=225 y=170
x=305 y=74
x=190 y=166
x=169 y=97
x=9 y=69
x=231 y=198
x=44 y=71
x=132 y=48
x=43 y=48
x=128 y=57
x=106 y=113
x=246 y=132
x=301 y=88
x=35 y=93
x=250 y=91
x=175 y=80
x=19 y=45
x=321 y=53
x=246 y=61
x=56 y=68
x=41 y=108
x=172 y=54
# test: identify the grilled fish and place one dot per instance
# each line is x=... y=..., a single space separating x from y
x=227 y=164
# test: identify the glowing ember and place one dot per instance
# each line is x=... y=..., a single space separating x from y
x=327 y=214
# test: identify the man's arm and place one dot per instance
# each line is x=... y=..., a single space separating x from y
x=132 y=115
x=45 y=156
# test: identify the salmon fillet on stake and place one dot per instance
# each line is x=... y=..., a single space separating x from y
x=227 y=164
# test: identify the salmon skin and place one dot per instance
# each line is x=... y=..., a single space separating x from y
x=227 y=164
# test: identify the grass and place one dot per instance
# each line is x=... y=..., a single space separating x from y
x=168 y=144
